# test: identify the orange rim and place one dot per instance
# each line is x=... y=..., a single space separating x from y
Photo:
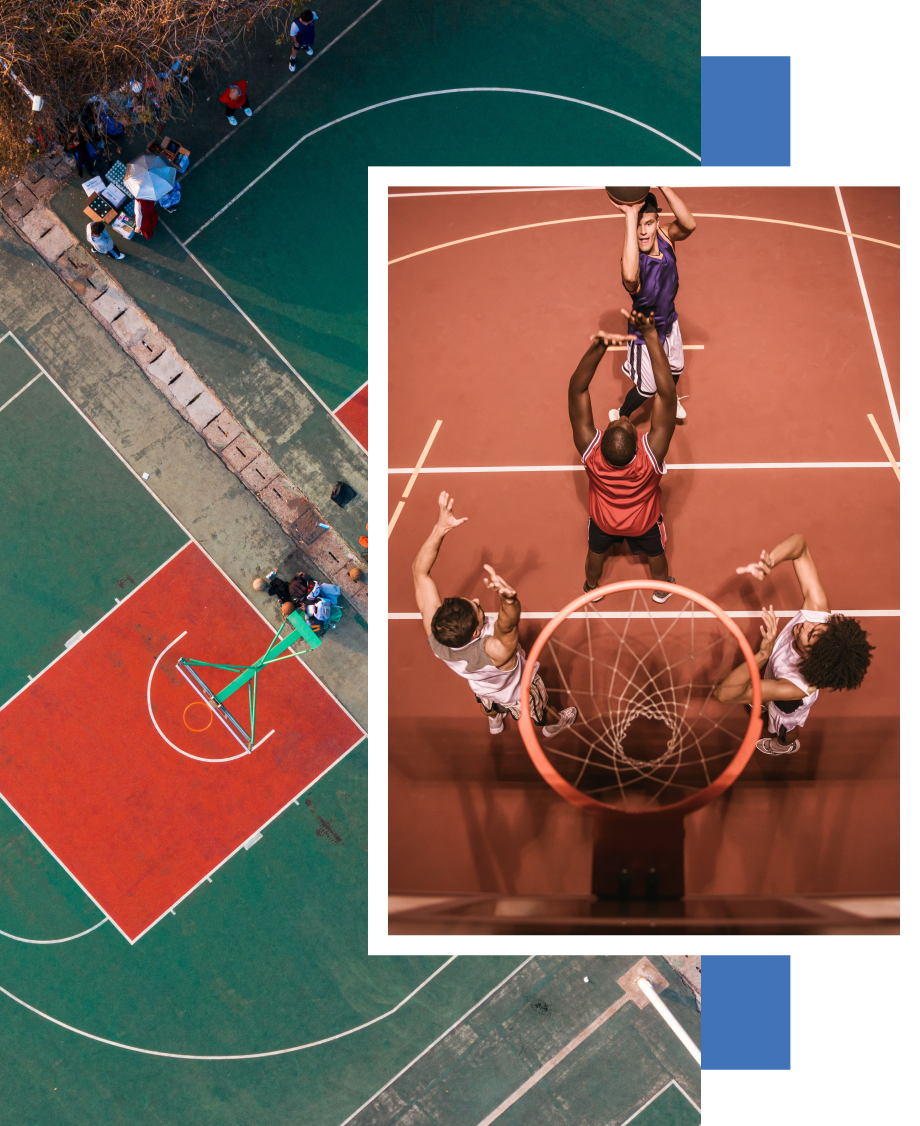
x=719 y=785
x=197 y=704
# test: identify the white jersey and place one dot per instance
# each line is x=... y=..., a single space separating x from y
x=784 y=665
x=473 y=663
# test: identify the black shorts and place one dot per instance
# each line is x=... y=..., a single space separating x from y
x=650 y=543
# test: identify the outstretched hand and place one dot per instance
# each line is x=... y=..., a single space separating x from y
x=608 y=338
x=446 y=518
x=760 y=569
x=768 y=631
x=639 y=320
x=497 y=583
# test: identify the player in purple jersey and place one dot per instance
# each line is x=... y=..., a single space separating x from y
x=649 y=269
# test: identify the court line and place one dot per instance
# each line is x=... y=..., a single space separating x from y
x=672 y=1083
x=865 y=296
x=247 y=1056
x=885 y=446
x=26 y=387
x=434 y=1043
x=287 y=363
x=431 y=94
x=188 y=754
x=489 y=191
x=680 y=465
x=54 y=941
x=534 y=1079
x=589 y=218
x=414 y=475
x=284 y=85
x=206 y=878
x=542 y=615
x=348 y=398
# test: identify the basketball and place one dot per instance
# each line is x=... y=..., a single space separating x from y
x=627 y=195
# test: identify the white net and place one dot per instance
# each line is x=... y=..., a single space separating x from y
x=650 y=731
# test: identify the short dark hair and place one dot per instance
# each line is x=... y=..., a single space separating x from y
x=649 y=204
x=98 y=227
x=618 y=445
x=308 y=16
x=839 y=657
x=454 y=623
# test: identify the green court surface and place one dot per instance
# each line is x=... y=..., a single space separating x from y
x=80 y=530
x=291 y=251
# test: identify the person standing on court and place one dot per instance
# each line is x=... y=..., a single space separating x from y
x=482 y=648
x=817 y=649
x=100 y=240
x=235 y=99
x=624 y=468
x=648 y=267
x=303 y=31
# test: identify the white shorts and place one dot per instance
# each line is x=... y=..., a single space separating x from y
x=638 y=366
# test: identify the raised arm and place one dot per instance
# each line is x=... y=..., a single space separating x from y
x=427 y=595
x=793 y=548
x=581 y=415
x=664 y=408
x=684 y=224
x=736 y=687
x=629 y=258
x=502 y=645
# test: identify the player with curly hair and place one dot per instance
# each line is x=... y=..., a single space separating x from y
x=816 y=650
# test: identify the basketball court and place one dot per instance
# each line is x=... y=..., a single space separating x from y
x=791 y=331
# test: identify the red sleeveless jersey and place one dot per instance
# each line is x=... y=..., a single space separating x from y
x=624 y=500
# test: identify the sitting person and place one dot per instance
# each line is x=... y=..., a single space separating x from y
x=318 y=602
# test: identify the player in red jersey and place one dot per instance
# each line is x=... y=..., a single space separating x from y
x=625 y=467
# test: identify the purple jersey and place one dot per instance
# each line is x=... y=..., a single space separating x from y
x=658 y=284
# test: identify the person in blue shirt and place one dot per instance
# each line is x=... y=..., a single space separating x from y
x=303 y=30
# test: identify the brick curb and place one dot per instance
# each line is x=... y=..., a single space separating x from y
x=23 y=204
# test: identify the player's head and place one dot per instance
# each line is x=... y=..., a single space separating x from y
x=618 y=445
x=97 y=228
x=836 y=655
x=307 y=17
x=234 y=91
x=457 y=622
x=259 y=584
x=648 y=222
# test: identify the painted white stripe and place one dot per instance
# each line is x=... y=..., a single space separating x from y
x=54 y=941
x=249 y=1056
x=865 y=296
x=434 y=94
x=25 y=387
x=665 y=1013
x=555 y=1061
x=434 y=1043
x=546 y=615
x=489 y=191
x=673 y=1083
x=685 y=465
x=348 y=398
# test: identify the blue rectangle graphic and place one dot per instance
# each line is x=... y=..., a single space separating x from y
x=746 y=1014
x=746 y=110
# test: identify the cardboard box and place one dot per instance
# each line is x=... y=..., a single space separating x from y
x=94 y=215
x=172 y=157
x=114 y=194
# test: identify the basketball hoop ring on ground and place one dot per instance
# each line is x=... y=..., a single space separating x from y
x=650 y=736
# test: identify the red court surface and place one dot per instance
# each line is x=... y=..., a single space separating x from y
x=136 y=823
x=484 y=336
x=353 y=415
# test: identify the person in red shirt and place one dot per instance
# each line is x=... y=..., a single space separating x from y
x=624 y=467
x=235 y=99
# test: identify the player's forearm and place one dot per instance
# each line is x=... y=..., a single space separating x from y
x=629 y=260
x=791 y=548
x=509 y=615
x=661 y=369
x=587 y=366
x=737 y=684
x=682 y=213
x=428 y=552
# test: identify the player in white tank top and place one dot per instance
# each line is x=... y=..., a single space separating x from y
x=484 y=649
x=817 y=649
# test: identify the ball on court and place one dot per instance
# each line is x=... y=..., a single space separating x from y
x=627 y=195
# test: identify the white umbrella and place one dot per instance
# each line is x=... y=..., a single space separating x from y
x=149 y=177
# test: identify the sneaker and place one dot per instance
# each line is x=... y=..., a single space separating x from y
x=119 y=254
x=681 y=413
x=92 y=251
x=232 y=120
x=291 y=66
x=614 y=415
x=663 y=595
x=566 y=719
x=771 y=746
x=309 y=50
x=496 y=724
x=587 y=588
x=248 y=111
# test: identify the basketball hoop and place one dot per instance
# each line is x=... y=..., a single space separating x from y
x=197 y=704
x=650 y=735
